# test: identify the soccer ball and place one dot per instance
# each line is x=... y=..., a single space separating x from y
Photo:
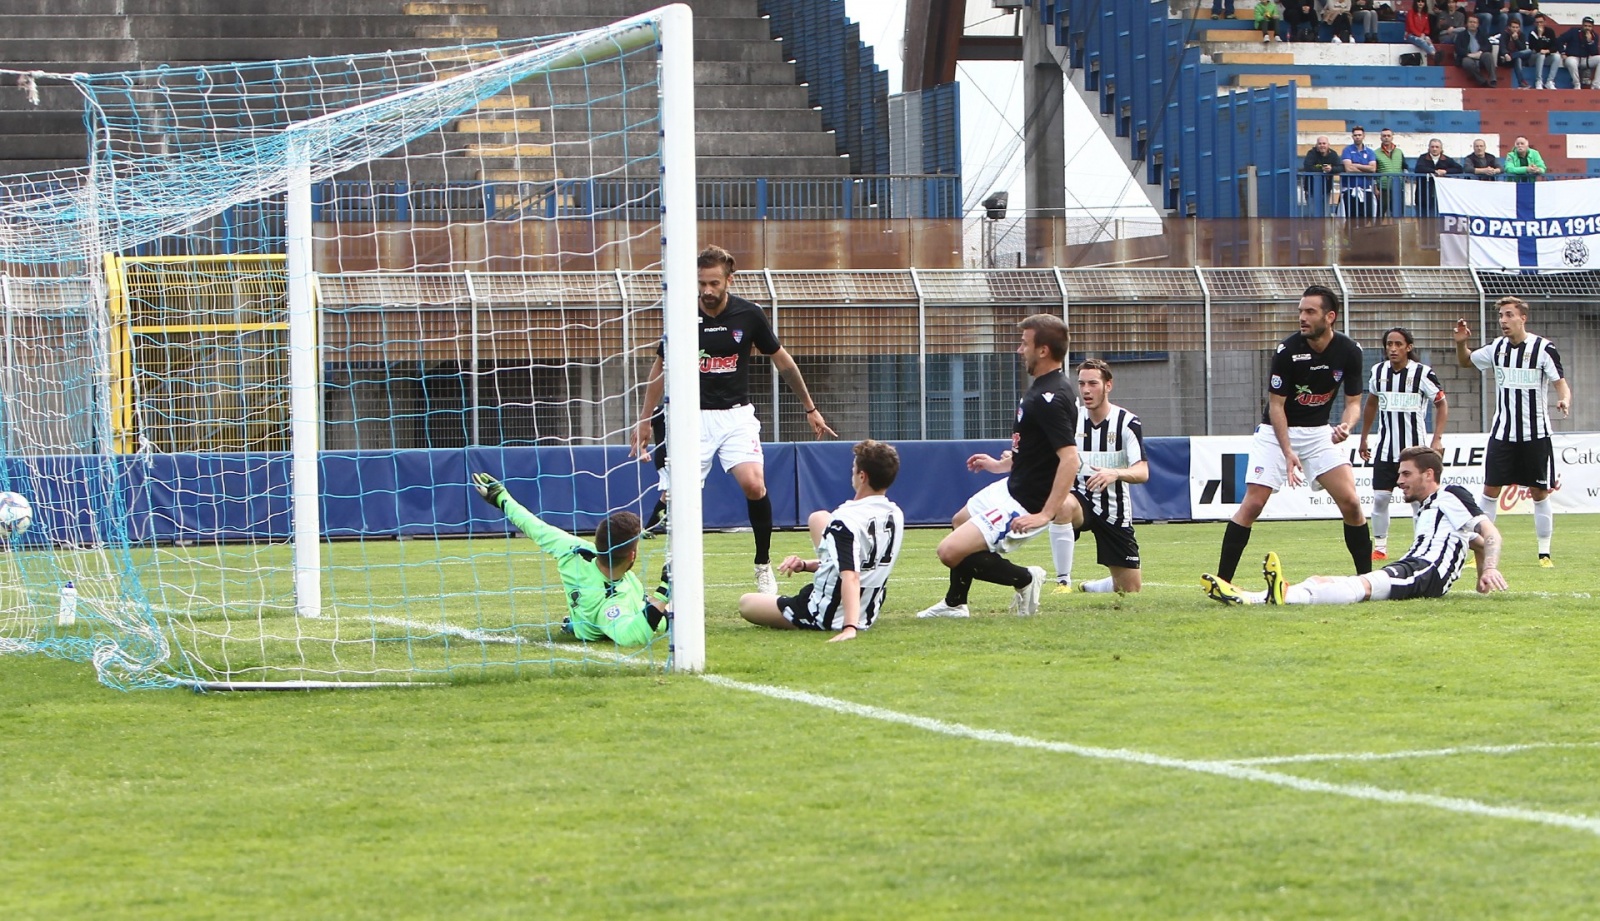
x=16 y=514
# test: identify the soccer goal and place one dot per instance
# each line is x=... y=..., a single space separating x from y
x=257 y=348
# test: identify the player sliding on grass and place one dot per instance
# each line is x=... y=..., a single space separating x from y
x=857 y=544
x=1447 y=524
x=604 y=597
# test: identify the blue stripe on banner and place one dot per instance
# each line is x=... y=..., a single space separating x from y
x=1527 y=244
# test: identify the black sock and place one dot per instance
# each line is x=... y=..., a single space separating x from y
x=1234 y=540
x=992 y=567
x=657 y=514
x=761 y=523
x=1358 y=538
x=960 y=584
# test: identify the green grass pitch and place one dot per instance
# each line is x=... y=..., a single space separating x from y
x=1150 y=756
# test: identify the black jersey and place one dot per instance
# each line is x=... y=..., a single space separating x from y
x=1310 y=380
x=1047 y=421
x=725 y=343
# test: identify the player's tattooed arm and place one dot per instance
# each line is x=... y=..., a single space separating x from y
x=785 y=363
x=1486 y=547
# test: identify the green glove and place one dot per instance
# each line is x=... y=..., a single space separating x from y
x=490 y=489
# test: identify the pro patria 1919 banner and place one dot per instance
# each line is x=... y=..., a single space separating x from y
x=1526 y=225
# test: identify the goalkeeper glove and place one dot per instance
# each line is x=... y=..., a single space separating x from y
x=492 y=491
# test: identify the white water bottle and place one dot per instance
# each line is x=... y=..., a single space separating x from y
x=68 y=613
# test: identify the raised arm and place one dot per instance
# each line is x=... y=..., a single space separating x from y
x=1461 y=334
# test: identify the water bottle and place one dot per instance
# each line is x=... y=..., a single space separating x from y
x=68 y=614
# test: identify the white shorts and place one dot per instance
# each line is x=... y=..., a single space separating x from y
x=992 y=510
x=1314 y=444
x=732 y=436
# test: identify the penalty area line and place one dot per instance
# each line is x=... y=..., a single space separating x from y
x=1420 y=753
x=1228 y=769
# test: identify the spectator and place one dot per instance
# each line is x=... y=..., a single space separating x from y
x=1523 y=163
x=1525 y=11
x=1301 y=16
x=1391 y=164
x=1515 y=55
x=1336 y=13
x=1491 y=18
x=1221 y=9
x=1481 y=163
x=1365 y=12
x=1268 y=12
x=1581 y=49
x=1475 y=55
x=1546 y=48
x=1418 y=30
x=1360 y=198
x=1316 y=176
x=1428 y=166
x=1449 y=21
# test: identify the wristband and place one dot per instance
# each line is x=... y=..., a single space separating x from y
x=811 y=410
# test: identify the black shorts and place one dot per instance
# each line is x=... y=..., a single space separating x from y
x=1523 y=463
x=1385 y=476
x=796 y=609
x=1115 y=545
x=658 y=431
x=1412 y=577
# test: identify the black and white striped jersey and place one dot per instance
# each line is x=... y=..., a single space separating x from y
x=1117 y=442
x=863 y=537
x=1521 y=372
x=1404 y=396
x=1443 y=528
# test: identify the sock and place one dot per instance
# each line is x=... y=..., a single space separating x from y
x=1101 y=586
x=1489 y=505
x=960 y=584
x=761 y=523
x=1359 y=542
x=988 y=566
x=1234 y=540
x=1380 y=517
x=1339 y=591
x=1544 y=524
x=657 y=514
x=1061 y=545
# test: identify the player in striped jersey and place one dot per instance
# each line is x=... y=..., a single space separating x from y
x=1520 y=451
x=1399 y=392
x=1448 y=524
x=857 y=544
x=1111 y=456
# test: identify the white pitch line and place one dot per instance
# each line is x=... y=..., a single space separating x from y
x=1420 y=753
x=1226 y=769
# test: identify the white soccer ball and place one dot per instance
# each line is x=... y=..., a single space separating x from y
x=16 y=514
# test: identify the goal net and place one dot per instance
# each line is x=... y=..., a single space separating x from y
x=257 y=348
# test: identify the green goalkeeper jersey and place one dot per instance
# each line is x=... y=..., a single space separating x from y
x=598 y=606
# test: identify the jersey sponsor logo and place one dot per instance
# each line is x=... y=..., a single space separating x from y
x=1102 y=459
x=714 y=329
x=1305 y=397
x=1400 y=402
x=1518 y=378
x=1318 y=368
x=1277 y=381
x=713 y=364
x=1301 y=356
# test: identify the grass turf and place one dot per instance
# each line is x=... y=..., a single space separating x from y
x=588 y=795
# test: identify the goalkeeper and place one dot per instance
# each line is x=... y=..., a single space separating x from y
x=604 y=597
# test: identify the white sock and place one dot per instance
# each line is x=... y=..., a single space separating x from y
x=1380 y=518
x=1061 y=546
x=1347 y=590
x=1544 y=523
x=1489 y=505
x=1100 y=585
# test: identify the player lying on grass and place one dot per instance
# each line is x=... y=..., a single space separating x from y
x=857 y=544
x=604 y=597
x=1447 y=524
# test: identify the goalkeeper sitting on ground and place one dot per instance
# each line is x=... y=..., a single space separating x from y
x=604 y=598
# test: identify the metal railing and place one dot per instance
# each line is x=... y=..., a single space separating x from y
x=1375 y=196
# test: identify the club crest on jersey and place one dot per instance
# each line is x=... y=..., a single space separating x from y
x=738 y=336
x=1338 y=376
x=1277 y=381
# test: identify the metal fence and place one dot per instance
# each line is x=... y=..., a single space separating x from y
x=456 y=359
x=1382 y=195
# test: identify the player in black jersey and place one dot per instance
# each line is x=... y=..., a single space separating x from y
x=1294 y=441
x=1042 y=462
x=730 y=327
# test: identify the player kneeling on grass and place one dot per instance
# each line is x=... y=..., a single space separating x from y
x=857 y=544
x=1447 y=524
x=604 y=597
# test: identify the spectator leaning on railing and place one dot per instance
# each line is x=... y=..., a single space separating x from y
x=1581 y=49
x=1546 y=48
x=1480 y=162
x=1475 y=55
x=1515 y=54
x=1317 y=171
x=1418 y=29
x=1268 y=12
x=1358 y=160
x=1429 y=165
x=1523 y=163
x=1391 y=164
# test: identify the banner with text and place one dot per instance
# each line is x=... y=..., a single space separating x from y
x=1519 y=225
x=1218 y=465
